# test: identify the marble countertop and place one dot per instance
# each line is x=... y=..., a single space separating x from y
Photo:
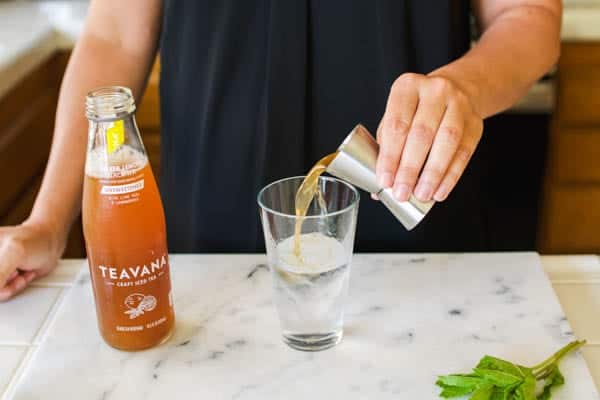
x=31 y=31
x=409 y=318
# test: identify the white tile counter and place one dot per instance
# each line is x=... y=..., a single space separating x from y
x=229 y=337
x=26 y=318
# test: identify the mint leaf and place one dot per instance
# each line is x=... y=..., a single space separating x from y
x=454 y=391
x=459 y=380
x=458 y=384
x=555 y=379
x=526 y=391
x=498 y=378
x=484 y=392
x=489 y=362
x=500 y=394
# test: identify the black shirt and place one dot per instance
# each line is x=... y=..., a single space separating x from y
x=254 y=91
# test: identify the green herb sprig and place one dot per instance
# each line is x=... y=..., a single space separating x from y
x=496 y=379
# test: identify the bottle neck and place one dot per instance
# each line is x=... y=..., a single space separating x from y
x=109 y=103
x=106 y=128
x=115 y=147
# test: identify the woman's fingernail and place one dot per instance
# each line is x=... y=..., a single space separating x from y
x=12 y=276
x=385 y=180
x=402 y=192
x=374 y=196
x=424 y=191
x=441 y=194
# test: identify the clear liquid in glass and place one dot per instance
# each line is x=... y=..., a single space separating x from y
x=310 y=290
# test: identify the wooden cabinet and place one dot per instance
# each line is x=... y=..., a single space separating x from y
x=26 y=126
x=575 y=156
x=573 y=219
x=571 y=204
x=578 y=101
x=26 y=123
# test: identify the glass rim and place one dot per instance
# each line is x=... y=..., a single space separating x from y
x=353 y=204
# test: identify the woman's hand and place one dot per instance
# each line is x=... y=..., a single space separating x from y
x=27 y=251
x=427 y=136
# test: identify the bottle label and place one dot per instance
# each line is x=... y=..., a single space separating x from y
x=137 y=304
x=149 y=295
x=122 y=189
x=128 y=189
x=135 y=275
x=115 y=136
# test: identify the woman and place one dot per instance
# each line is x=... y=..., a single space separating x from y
x=258 y=90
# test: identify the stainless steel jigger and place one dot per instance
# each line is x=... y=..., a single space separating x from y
x=355 y=163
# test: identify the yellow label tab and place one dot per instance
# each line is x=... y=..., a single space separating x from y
x=115 y=136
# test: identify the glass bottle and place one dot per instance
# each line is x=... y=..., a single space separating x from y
x=124 y=227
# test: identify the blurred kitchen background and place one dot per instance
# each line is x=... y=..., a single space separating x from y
x=543 y=188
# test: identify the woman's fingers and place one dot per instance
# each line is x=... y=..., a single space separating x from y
x=27 y=251
x=473 y=132
x=448 y=137
x=16 y=285
x=394 y=128
x=12 y=253
x=12 y=276
x=431 y=108
x=427 y=136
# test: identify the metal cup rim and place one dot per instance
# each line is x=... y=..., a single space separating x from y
x=353 y=204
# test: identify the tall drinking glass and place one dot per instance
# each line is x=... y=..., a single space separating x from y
x=310 y=286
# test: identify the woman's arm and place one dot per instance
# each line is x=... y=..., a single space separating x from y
x=519 y=44
x=433 y=123
x=117 y=47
